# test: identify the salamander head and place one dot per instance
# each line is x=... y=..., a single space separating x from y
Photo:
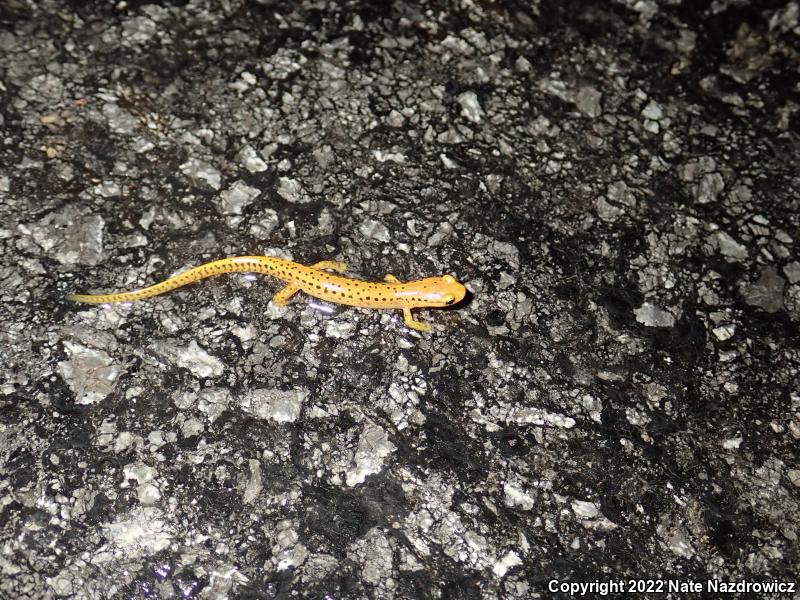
x=435 y=292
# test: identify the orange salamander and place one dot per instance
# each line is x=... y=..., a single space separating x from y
x=430 y=292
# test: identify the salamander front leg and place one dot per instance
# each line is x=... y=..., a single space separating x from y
x=415 y=324
x=333 y=265
x=391 y=278
x=282 y=297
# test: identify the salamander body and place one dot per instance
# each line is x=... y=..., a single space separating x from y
x=314 y=280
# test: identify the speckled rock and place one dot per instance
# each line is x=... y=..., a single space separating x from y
x=616 y=183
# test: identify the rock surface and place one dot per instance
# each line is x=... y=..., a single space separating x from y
x=617 y=184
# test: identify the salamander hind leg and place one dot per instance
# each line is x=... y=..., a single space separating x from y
x=333 y=265
x=282 y=297
x=391 y=278
x=415 y=324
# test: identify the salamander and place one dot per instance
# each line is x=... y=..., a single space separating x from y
x=314 y=280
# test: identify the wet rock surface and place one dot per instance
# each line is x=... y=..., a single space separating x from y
x=617 y=185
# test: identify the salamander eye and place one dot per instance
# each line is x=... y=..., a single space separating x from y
x=449 y=279
x=448 y=299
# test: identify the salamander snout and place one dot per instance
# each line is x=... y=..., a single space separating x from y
x=433 y=292
x=449 y=290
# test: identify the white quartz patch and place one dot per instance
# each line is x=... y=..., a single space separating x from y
x=653 y=111
x=589 y=101
x=590 y=516
x=537 y=416
x=730 y=247
x=288 y=549
x=515 y=497
x=504 y=251
x=251 y=161
x=375 y=552
x=143 y=532
x=677 y=540
x=282 y=406
x=339 y=329
x=606 y=210
x=511 y=559
x=374 y=230
x=389 y=156
x=237 y=197
x=119 y=120
x=70 y=236
x=732 y=443
x=291 y=190
x=213 y=402
x=653 y=316
x=144 y=475
x=198 y=361
x=373 y=448
x=91 y=374
x=792 y=271
x=585 y=510
x=253 y=486
x=197 y=169
x=767 y=291
x=470 y=106
x=724 y=332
